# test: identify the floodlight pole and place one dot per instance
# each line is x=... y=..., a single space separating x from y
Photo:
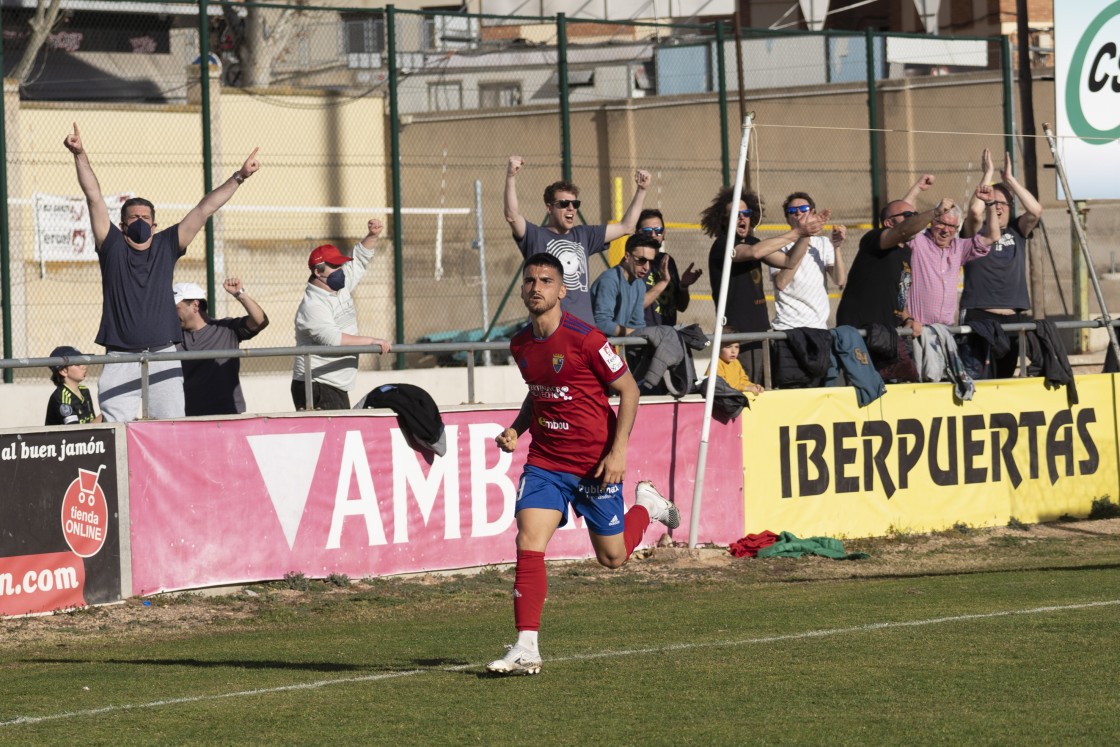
x=1075 y=217
x=721 y=309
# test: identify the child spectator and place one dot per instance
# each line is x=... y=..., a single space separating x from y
x=731 y=370
x=71 y=402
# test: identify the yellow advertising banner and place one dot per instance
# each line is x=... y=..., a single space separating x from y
x=915 y=460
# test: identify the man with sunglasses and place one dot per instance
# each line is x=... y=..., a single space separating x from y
x=666 y=289
x=562 y=238
x=800 y=271
x=618 y=295
x=745 y=309
x=880 y=277
x=995 y=286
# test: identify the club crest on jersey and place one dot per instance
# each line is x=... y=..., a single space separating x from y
x=557 y=362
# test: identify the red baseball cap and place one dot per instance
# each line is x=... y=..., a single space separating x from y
x=327 y=253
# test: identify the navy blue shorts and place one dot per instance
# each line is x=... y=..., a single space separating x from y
x=601 y=506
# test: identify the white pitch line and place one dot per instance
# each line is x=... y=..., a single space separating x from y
x=577 y=657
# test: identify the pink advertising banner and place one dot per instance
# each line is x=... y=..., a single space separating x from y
x=215 y=502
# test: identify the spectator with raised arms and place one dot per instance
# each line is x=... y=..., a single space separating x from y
x=561 y=237
x=137 y=304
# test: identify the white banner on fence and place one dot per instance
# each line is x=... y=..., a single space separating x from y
x=1087 y=78
x=62 y=228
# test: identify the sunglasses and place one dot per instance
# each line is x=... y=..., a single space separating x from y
x=795 y=209
x=652 y=231
x=640 y=260
x=903 y=214
x=567 y=203
x=745 y=213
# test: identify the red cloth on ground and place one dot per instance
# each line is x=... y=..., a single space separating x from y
x=748 y=546
x=530 y=587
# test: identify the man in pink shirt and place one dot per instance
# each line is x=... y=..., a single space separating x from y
x=936 y=258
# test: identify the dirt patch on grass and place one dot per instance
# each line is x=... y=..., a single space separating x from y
x=961 y=550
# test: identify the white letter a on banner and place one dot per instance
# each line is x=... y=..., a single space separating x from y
x=354 y=463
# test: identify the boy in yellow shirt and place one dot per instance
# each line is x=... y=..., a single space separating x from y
x=731 y=370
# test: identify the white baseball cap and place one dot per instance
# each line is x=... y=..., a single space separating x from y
x=188 y=291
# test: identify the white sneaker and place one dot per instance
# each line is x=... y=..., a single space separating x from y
x=518 y=660
x=659 y=508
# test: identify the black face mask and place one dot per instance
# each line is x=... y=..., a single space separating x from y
x=336 y=281
x=139 y=231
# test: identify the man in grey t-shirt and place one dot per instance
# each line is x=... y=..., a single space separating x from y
x=213 y=386
x=562 y=238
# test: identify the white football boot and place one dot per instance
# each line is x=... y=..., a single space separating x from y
x=659 y=507
x=518 y=660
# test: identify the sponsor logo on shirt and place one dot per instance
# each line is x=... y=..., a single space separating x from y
x=614 y=363
x=595 y=490
x=557 y=362
x=553 y=425
x=540 y=391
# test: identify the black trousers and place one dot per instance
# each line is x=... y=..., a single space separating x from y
x=323 y=396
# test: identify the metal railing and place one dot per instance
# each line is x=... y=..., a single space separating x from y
x=144 y=359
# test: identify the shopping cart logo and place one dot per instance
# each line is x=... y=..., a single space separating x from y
x=85 y=514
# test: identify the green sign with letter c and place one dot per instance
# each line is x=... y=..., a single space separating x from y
x=1074 y=112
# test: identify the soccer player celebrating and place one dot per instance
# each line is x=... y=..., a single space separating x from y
x=578 y=452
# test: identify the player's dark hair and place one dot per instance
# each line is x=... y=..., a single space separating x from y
x=137 y=201
x=544 y=259
x=640 y=240
x=650 y=213
x=715 y=218
x=561 y=186
x=57 y=378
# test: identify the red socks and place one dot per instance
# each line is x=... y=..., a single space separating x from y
x=530 y=586
x=530 y=583
x=634 y=526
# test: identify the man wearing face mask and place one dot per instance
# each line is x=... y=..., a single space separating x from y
x=138 y=307
x=327 y=316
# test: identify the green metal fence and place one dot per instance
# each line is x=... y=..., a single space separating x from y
x=411 y=116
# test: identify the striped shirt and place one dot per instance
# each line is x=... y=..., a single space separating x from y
x=933 y=295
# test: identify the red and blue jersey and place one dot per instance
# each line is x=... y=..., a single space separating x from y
x=568 y=373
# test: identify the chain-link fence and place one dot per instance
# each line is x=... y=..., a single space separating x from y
x=411 y=116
